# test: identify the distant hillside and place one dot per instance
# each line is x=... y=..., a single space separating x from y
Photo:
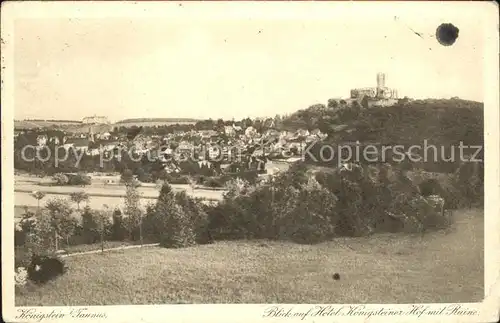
x=443 y=123
x=54 y=120
x=156 y=121
x=39 y=123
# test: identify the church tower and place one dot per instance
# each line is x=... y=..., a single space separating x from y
x=91 y=133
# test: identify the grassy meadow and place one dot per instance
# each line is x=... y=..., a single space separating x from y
x=445 y=266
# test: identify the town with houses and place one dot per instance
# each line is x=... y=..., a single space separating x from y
x=221 y=141
x=231 y=143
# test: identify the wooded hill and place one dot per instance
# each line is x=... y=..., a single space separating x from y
x=440 y=122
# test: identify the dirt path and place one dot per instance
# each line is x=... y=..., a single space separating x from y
x=109 y=249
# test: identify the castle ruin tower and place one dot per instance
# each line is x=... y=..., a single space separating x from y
x=380 y=84
x=380 y=80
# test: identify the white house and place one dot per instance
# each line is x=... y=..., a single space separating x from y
x=41 y=140
x=105 y=136
x=93 y=151
x=213 y=152
x=229 y=131
x=250 y=132
x=204 y=163
x=302 y=132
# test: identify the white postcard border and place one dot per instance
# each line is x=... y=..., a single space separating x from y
x=486 y=12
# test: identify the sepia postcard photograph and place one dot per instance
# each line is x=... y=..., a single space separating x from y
x=250 y=161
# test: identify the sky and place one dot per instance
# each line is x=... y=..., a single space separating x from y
x=232 y=68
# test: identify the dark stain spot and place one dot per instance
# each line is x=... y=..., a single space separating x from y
x=446 y=34
x=336 y=276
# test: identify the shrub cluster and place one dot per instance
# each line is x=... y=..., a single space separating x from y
x=300 y=205
x=77 y=179
x=44 y=268
x=288 y=208
x=308 y=208
x=176 y=220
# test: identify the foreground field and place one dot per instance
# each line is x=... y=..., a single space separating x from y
x=393 y=268
x=99 y=189
x=100 y=194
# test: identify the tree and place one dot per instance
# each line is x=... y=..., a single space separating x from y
x=127 y=176
x=364 y=102
x=197 y=218
x=176 y=229
x=89 y=225
x=132 y=210
x=96 y=224
x=332 y=104
x=79 y=197
x=58 y=210
x=355 y=106
x=118 y=232
x=192 y=183
x=80 y=179
x=28 y=221
x=220 y=125
x=38 y=196
x=41 y=238
x=102 y=220
x=277 y=121
x=67 y=228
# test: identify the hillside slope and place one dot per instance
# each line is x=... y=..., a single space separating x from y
x=435 y=128
x=439 y=121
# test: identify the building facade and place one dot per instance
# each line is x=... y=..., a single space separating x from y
x=381 y=92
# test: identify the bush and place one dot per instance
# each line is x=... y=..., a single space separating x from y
x=43 y=268
x=126 y=176
x=22 y=257
x=40 y=238
x=469 y=179
x=61 y=179
x=146 y=178
x=198 y=218
x=444 y=185
x=89 y=230
x=177 y=179
x=21 y=276
x=118 y=231
x=214 y=182
x=176 y=230
x=305 y=214
x=174 y=223
x=303 y=208
x=80 y=179
x=200 y=180
x=19 y=238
